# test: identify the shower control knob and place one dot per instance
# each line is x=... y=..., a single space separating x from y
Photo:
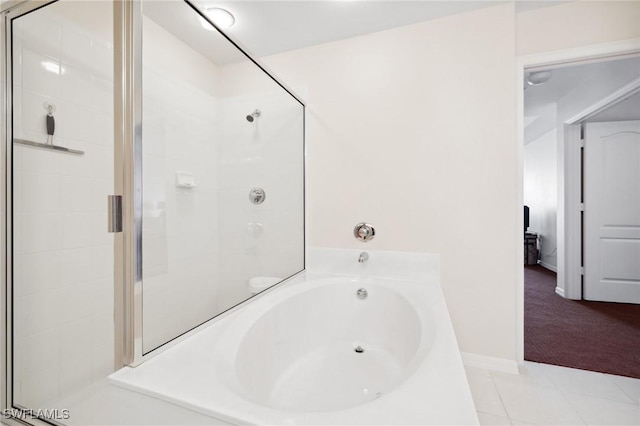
x=257 y=195
x=364 y=232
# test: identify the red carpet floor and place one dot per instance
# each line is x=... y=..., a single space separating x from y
x=596 y=336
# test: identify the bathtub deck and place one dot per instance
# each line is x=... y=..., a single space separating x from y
x=193 y=390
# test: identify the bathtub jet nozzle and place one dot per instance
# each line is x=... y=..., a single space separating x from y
x=359 y=349
x=362 y=293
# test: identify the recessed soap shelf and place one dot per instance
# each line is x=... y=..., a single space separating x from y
x=185 y=180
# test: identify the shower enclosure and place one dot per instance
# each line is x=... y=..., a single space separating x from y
x=152 y=180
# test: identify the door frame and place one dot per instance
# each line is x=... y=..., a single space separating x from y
x=127 y=18
x=16 y=414
x=573 y=176
x=568 y=229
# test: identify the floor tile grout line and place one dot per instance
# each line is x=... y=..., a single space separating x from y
x=568 y=401
x=489 y=414
x=488 y=374
x=563 y=393
x=602 y=397
x=493 y=415
x=495 y=387
x=562 y=389
x=608 y=376
x=594 y=373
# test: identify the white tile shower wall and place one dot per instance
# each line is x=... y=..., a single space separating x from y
x=264 y=239
x=63 y=255
x=180 y=228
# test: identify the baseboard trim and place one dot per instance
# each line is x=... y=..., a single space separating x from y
x=545 y=265
x=490 y=363
x=560 y=291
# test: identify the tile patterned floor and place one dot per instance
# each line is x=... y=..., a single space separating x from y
x=540 y=395
x=549 y=395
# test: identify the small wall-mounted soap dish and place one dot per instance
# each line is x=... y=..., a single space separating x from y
x=185 y=180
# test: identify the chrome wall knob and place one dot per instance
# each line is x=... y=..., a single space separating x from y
x=257 y=195
x=364 y=232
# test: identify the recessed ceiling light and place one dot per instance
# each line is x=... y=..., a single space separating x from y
x=538 y=77
x=221 y=17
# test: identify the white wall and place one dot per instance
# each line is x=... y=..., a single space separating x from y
x=576 y=24
x=413 y=130
x=63 y=264
x=540 y=193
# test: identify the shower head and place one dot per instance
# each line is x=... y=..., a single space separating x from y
x=255 y=114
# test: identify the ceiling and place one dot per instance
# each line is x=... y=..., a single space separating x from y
x=540 y=101
x=184 y=23
x=626 y=110
x=266 y=27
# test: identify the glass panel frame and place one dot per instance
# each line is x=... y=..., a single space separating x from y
x=8 y=12
x=127 y=177
x=128 y=47
x=6 y=200
x=127 y=17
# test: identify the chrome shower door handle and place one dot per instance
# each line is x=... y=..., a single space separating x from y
x=114 y=213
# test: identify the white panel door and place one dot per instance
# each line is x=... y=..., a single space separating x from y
x=612 y=212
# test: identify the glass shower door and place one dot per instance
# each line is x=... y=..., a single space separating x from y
x=207 y=155
x=62 y=169
x=222 y=152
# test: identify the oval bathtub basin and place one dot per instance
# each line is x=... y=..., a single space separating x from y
x=326 y=349
x=311 y=352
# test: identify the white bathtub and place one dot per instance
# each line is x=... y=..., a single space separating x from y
x=290 y=357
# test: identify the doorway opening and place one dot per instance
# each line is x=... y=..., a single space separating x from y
x=581 y=184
